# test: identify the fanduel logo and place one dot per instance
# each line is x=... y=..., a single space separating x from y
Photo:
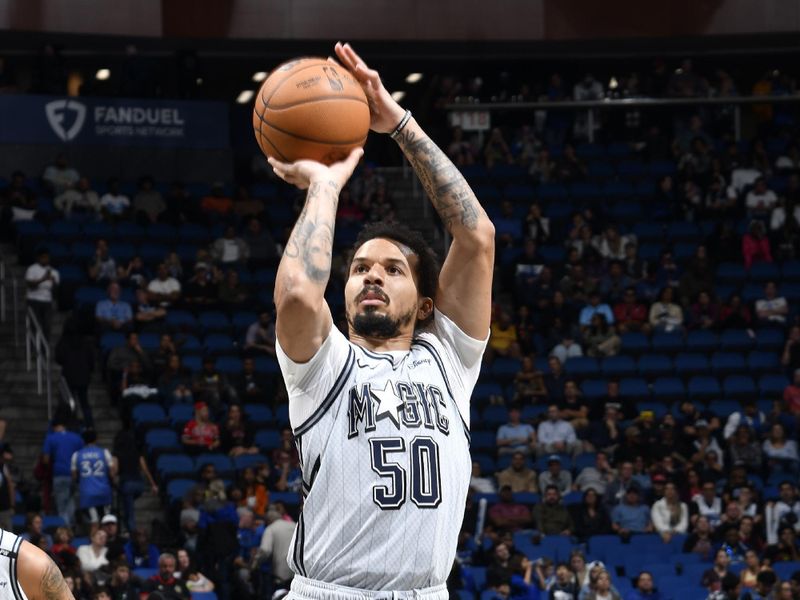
x=56 y=112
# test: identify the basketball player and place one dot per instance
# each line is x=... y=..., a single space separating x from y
x=27 y=573
x=382 y=421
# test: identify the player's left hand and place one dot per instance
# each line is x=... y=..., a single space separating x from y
x=384 y=112
x=303 y=173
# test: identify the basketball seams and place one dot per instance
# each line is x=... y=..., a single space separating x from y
x=262 y=136
x=308 y=139
x=314 y=99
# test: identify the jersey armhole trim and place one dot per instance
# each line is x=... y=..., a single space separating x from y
x=336 y=389
x=433 y=352
x=14 y=559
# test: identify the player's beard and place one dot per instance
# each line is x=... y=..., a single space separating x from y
x=372 y=324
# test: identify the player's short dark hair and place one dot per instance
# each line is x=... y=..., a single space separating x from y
x=89 y=436
x=428 y=267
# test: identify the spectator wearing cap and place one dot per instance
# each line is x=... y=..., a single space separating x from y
x=200 y=434
x=704 y=443
x=556 y=435
x=551 y=517
x=114 y=541
x=555 y=475
x=631 y=516
x=59 y=446
x=515 y=436
x=669 y=515
x=41 y=279
x=518 y=475
x=508 y=514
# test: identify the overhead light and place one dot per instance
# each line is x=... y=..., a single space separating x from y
x=398 y=95
x=259 y=76
x=102 y=74
x=244 y=96
x=413 y=77
x=613 y=84
x=199 y=81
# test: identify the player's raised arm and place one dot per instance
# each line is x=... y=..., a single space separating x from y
x=465 y=282
x=39 y=576
x=303 y=317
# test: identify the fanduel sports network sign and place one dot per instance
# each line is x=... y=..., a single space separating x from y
x=113 y=121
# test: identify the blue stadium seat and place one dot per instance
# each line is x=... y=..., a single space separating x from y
x=486 y=463
x=494 y=416
x=687 y=364
x=180 y=413
x=289 y=498
x=763 y=362
x=702 y=341
x=181 y=320
x=552 y=191
x=790 y=271
x=681 y=559
x=724 y=408
x=552 y=254
x=772 y=386
x=282 y=415
x=648 y=231
x=751 y=292
x=258 y=414
x=594 y=389
x=161 y=439
x=204 y=596
x=667 y=342
x=542 y=462
x=558 y=547
x=268 y=439
x=618 y=366
x=769 y=339
x=600 y=170
x=660 y=168
x=64 y=230
x=89 y=296
x=178 y=488
x=111 y=340
x=214 y=320
x=586 y=459
x=146 y=573
x=229 y=365
x=483 y=392
x=530 y=413
x=222 y=463
x=739 y=386
x=669 y=389
x=192 y=363
x=763 y=272
x=161 y=232
x=193 y=232
x=725 y=363
x=52 y=522
x=149 y=341
x=683 y=230
x=170 y=466
x=736 y=340
x=634 y=343
x=581 y=366
x=634 y=388
x=100 y=229
x=606 y=547
x=148 y=414
x=655 y=365
x=693 y=574
x=632 y=169
x=241 y=320
x=649 y=544
x=504 y=369
x=785 y=570
x=731 y=273
x=219 y=343
x=703 y=387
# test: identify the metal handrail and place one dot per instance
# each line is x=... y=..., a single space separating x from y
x=37 y=347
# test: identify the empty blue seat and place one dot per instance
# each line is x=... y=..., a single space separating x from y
x=268 y=439
x=751 y=292
x=291 y=499
x=586 y=459
x=494 y=416
x=193 y=232
x=192 y=363
x=759 y=361
x=89 y=296
x=634 y=388
x=100 y=229
x=648 y=231
x=258 y=414
x=683 y=230
x=178 y=488
x=724 y=408
x=180 y=413
x=634 y=343
x=739 y=386
x=486 y=463
x=600 y=170
x=605 y=547
x=529 y=413
x=111 y=340
x=51 y=522
x=504 y=369
x=736 y=340
x=724 y=363
x=688 y=363
x=483 y=440
x=162 y=232
x=552 y=254
x=552 y=191
x=148 y=413
x=594 y=388
x=632 y=169
x=669 y=389
x=772 y=386
x=181 y=320
x=229 y=365
x=159 y=439
x=702 y=341
x=483 y=392
x=667 y=342
x=655 y=365
x=174 y=465
x=618 y=366
x=785 y=570
x=222 y=463
x=703 y=387
x=790 y=271
x=213 y=320
x=219 y=343
x=763 y=272
x=282 y=415
x=769 y=339
x=731 y=273
x=581 y=366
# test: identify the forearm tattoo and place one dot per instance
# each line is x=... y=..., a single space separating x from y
x=53 y=585
x=311 y=241
x=446 y=187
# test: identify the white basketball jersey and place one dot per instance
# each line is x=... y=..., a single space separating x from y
x=384 y=448
x=10 y=589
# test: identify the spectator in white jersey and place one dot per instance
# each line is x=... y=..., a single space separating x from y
x=400 y=384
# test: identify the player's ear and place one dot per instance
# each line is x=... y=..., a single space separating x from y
x=424 y=308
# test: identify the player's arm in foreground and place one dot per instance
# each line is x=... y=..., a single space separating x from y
x=465 y=282
x=39 y=576
x=303 y=317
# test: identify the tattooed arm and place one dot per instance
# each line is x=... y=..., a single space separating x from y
x=39 y=576
x=465 y=283
x=304 y=319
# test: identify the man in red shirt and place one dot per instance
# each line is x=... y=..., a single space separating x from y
x=629 y=314
x=791 y=395
x=508 y=514
x=200 y=433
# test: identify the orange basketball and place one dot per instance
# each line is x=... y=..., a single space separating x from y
x=310 y=108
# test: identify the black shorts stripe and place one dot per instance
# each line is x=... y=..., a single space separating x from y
x=298 y=546
x=332 y=395
x=439 y=363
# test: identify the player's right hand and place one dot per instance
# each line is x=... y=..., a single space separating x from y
x=303 y=173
